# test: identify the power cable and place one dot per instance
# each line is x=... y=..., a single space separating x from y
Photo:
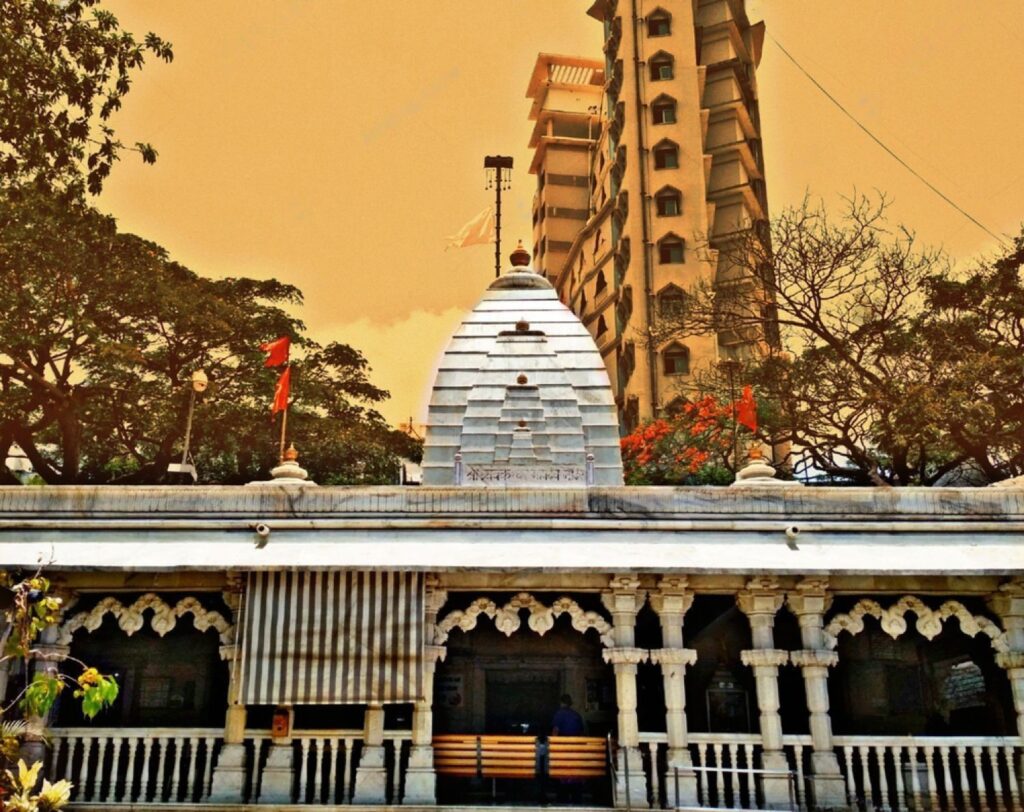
x=882 y=144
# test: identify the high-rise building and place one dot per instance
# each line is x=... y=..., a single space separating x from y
x=648 y=164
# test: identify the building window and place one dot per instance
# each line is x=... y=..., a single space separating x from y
x=668 y=202
x=664 y=111
x=671 y=303
x=602 y=326
x=602 y=283
x=661 y=67
x=676 y=360
x=670 y=250
x=666 y=156
x=659 y=23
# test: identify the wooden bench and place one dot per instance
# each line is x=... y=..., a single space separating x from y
x=518 y=756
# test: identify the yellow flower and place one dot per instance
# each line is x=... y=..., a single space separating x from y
x=89 y=677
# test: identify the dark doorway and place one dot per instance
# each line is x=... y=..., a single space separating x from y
x=521 y=701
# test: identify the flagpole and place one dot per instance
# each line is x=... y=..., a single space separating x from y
x=284 y=428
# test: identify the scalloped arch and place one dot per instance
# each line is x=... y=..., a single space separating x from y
x=507 y=620
x=929 y=621
x=131 y=618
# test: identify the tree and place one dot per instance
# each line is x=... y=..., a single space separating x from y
x=850 y=382
x=974 y=329
x=100 y=332
x=692 y=446
x=66 y=68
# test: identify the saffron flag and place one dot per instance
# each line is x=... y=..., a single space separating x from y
x=281 y=392
x=746 y=409
x=277 y=351
x=478 y=231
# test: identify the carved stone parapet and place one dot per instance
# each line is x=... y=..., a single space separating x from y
x=673 y=656
x=507 y=620
x=1010 y=659
x=814 y=657
x=762 y=657
x=929 y=621
x=164 y=618
x=435 y=654
x=630 y=656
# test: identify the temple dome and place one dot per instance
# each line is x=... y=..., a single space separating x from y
x=522 y=388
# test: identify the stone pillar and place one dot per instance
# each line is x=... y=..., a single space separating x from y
x=624 y=599
x=671 y=600
x=809 y=602
x=420 y=779
x=50 y=654
x=279 y=772
x=371 y=777
x=1008 y=604
x=760 y=602
x=228 y=784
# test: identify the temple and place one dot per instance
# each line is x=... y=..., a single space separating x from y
x=766 y=645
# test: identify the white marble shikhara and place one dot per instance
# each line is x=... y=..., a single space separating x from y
x=687 y=530
x=521 y=370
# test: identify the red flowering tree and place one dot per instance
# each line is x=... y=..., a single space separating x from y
x=690 y=447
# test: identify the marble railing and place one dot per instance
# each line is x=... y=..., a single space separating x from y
x=114 y=766
x=889 y=773
x=931 y=772
x=147 y=765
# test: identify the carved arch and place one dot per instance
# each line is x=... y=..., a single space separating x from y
x=507 y=620
x=929 y=621
x=131 y=618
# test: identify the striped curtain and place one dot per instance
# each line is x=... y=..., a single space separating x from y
x=332 y=637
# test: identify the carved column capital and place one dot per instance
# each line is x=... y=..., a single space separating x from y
x=809 y=658
x=435 y=597
x=623 y=596
x=673 y=656
x=1010 y=659
x=810 y=597
x=762 y=596
x=672 y=598
x=628 y=656
x=764 y=657
x=1008 y=601
x=432 y=654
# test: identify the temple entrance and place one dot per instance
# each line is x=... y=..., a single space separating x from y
x=500 y=692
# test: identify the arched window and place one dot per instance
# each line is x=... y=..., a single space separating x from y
x=666 y=155
x=601 y=285
x=670 y=249
x=671 y=302
x=662 y=65
x=676 y=359
x=663 y=110
x=659 y=23
x=668 y=202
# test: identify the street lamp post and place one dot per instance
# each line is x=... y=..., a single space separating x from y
x=199 y=384
x=497 y=180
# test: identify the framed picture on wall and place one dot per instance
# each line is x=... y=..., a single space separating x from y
x=728 y=710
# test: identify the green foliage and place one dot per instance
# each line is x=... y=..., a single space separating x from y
x=100 y=332
x=41 y=693
x=66 y=68
x=96 y=691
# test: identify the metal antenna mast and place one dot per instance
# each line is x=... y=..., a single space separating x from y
x=498 y=180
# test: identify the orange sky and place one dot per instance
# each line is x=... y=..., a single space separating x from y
x=335 y=144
